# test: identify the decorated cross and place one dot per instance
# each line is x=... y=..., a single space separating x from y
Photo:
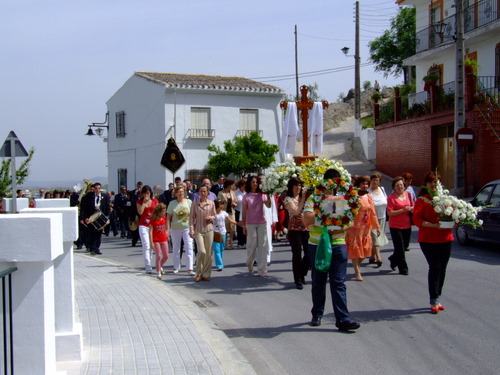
x=304 y=105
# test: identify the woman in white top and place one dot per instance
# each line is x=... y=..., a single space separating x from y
x=380 y=203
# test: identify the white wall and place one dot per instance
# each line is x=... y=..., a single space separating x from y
x=150 y=111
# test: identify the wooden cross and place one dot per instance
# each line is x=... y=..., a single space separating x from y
x=304 y=105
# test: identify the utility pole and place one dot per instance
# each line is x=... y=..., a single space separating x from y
x=296 y=66
x=357 y=84
x=460 y=153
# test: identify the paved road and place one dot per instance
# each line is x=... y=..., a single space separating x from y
x=267 y=318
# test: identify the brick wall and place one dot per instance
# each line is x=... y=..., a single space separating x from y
x=409 y=146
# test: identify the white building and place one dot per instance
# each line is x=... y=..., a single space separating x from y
x=436 y=33
x=196 y=110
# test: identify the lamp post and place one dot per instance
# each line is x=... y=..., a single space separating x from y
x=100 y=126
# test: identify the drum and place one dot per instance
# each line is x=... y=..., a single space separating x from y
x=98 y=220
x=133 y=224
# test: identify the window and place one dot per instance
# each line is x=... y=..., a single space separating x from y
x=122 y=177
x=249 y=122
x=200 y=123
x=120 y=124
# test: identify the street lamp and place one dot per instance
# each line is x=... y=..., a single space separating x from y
x=357 y=85
x=99 y=127
x=439 y=28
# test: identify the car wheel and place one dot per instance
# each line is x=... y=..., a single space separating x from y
x=462 y=236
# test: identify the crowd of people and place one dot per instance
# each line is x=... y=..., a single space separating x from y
x=197 y=226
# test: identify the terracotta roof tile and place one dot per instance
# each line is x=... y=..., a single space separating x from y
x=207 y=82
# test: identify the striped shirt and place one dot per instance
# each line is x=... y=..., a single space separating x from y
x=199 y=211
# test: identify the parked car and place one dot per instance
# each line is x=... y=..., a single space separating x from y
x=488 y=198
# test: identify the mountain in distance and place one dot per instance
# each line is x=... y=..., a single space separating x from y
x=68 y=184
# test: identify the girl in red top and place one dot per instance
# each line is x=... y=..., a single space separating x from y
x=435 y=242
x=158 y=236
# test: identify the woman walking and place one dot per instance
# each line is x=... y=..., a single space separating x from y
x=201 y=218
x=178 y=226
x=145 y=206
x=298 y=233
x=358 y=237
x=229 y=203
x=380 y=202
x=158 y=237
x=255 y=225
x=399 y=206
x=435 y=241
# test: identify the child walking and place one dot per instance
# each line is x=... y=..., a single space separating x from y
x=158 y=237
x=219 y=243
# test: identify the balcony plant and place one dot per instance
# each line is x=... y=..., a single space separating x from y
x=376 y=97
x=430 y=81
x=471 y=66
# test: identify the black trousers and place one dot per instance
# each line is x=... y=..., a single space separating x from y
x=401 y=241
x=437 y=256
x=300 y=257
x=242 y=239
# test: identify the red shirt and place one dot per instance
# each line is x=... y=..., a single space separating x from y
x=425 y=212
x=401 y=221
x=146 y=214
x=159 y=230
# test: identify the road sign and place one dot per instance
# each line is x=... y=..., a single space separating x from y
x=19 y=150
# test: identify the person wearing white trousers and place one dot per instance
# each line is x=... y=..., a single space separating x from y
x=145 y=207
x=177 y=236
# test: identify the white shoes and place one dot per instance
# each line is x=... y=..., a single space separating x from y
x=176 y=271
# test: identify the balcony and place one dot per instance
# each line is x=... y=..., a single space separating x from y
x=201 y=133
x=245 y=133
x=475 y=16
x=419 y=104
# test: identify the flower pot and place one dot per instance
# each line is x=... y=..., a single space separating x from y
x=446 y=224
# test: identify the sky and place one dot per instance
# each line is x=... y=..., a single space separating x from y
x=62 y=60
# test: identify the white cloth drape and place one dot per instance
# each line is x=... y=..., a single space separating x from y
x=316 y=129
x=291 y=130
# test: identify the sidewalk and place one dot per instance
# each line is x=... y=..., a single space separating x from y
x=135 y=324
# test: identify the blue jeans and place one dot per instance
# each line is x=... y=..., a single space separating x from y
x=218 y=251
x=337 y=274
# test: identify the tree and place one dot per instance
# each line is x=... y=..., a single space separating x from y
x=21 y=173
x=241 y=156
x=394 y=45
x=312 y=94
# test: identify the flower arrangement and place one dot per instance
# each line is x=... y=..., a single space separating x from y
x=312 y=172
x=451 y=208
x=346 y=201
x=277 y=177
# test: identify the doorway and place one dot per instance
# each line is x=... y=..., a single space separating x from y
x=446 y=155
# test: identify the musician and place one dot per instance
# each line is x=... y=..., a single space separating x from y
x=92 y=202
x=120 y=206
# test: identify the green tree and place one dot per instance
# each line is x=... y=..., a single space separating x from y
x=367 y=85
x=21 y=173
x=241 y=156
x=390 y=49
x=312 y=94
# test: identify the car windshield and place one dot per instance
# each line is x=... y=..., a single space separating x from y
x=483 y=195
x=495 y=197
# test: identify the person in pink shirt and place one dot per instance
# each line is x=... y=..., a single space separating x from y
x=399 y=207
x=255 y=225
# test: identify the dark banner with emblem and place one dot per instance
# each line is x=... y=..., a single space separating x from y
x=172 y=158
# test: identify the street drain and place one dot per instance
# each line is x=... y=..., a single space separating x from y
x=206 y=303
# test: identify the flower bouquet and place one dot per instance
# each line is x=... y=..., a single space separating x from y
x=346 y=202
x=313 y=170
x=277 y=176
x=452 y=210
